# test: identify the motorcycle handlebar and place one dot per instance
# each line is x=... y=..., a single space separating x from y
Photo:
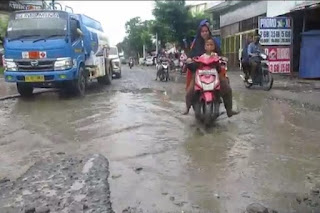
x=222 y=59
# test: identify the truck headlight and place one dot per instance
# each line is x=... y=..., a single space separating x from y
x=116 y=63
x=63 y=64
x=10 y=65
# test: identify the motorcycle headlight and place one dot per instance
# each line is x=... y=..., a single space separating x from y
x=10 y=65
x=263 y=56
x=63 y=64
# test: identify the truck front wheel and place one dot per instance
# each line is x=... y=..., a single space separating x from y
x=25 y=90
x=80 y=84
x=106 y=79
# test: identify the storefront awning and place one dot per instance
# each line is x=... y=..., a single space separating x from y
x=306 y=6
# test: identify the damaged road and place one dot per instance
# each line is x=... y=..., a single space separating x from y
x=60 y=184
x=161 y=161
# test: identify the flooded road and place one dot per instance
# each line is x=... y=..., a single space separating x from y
x=161 y=161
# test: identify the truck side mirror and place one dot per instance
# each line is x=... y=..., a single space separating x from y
x=80 y=33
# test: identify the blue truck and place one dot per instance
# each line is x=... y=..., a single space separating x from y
x=55 y=49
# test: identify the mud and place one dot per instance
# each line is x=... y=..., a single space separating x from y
x=263 y=155
x=64 y=184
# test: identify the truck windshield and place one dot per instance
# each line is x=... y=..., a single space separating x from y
x=113 y=51
x=36 y=24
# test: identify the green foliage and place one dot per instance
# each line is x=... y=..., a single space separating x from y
x=138 y=34
x=1 y=70
x=172 y=16
x=173 y=23
x=3 y=26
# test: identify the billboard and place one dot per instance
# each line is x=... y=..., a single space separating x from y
x=276 y=37
x=275 y=31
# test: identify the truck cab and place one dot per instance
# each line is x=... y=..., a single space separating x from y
x=52 y=48
x=115 y=61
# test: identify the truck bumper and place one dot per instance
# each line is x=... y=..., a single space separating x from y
x=116 y=70
x=50 y=78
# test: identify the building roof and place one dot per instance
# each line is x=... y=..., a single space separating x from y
x=307 y=5
x=222 y=5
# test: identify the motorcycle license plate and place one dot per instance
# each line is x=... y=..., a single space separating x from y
x=34 y=78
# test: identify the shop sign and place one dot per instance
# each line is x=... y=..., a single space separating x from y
x=278 y=59
x=275 y=31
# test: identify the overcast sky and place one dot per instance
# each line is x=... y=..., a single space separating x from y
x=114 y=14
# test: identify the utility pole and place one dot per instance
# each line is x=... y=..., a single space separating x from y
x=52 y=2
x=144 y=51
x=157 y=49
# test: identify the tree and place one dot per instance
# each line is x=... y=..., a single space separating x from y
x=162 y=30
x=138 y=34
x=173 y=23
x=3 y=25
x=171 y=19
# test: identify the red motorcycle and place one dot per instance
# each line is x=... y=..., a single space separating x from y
x=207 y=100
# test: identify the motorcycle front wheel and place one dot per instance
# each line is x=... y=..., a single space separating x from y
x=162 y=76
x=247 y=84
x=267 y=80
x=207 y=112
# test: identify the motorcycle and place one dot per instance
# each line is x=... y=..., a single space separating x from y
x=207 y=99
x=163 y=73
x=130 y=64
x=263 y=76
x=176 y=63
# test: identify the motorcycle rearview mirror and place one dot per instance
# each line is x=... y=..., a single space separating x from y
x=263 y=56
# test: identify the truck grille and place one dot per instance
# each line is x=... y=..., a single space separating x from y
x=33 y=66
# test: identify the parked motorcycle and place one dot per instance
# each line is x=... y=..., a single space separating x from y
x=206 y=103
x=263 y=76
x=163 y=73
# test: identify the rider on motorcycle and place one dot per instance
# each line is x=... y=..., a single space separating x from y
x=254 y=49
x=199 y=48
x=131 y=60
x=245 y=58
x=162 y=58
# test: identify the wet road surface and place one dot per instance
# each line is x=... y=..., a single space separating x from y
x=162 y=161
